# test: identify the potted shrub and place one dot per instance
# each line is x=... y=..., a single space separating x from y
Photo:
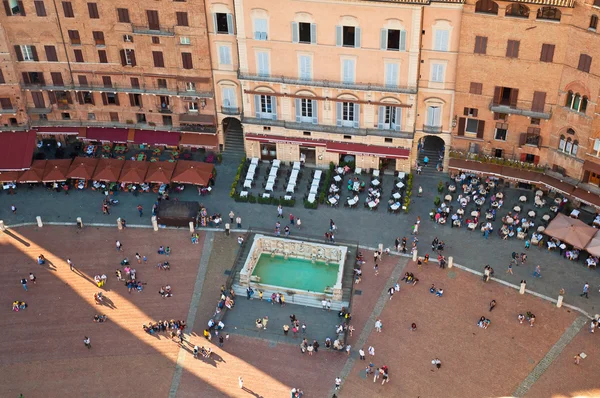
x=437 y=201
x=440 y=187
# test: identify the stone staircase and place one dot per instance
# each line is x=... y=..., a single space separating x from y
x=300 y=299
x=434 y=157
x=234 y=144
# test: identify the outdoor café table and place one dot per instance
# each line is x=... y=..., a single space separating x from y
x=375 y=182
x=269 y=186
x=339 y=170
x=395 y=206
x=401 y=175
x=372 y=204
x=254 y=161
x=460 y=212
x=291 y=188
x=531 y=213
x=399 y=185
x=499 y=195
x=337 y=178
x=452 y=188
x=396 y=195
x=248 y=183
x=294 y=174
x=332 y=200
x=352 y=202
x=271 y=180
x=273 y=172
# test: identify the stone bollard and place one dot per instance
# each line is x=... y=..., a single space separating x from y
x=523 y=285
x=559 y=301
x=154 y=223
x=192 y=229
x=119 y=224
x=79 y=223
x=39 y=221
x=450 y=261
x=2 y=226
x=415 y=255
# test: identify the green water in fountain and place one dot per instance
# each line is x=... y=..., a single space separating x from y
x=295 y=273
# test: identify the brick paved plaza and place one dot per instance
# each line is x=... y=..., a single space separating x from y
x=42 y=354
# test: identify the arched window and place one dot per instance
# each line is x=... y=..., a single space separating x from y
x=575 y=148
x=549 y=13
x=570 y=131
x=569 y=100
x=593 y=22
x=576 y=102
x=569 y=146
x=486 y=7
x=561 y=143
x=517 y=11
x=584 y=102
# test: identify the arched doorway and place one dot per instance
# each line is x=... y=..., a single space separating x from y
x=433 y=148
x=234 y=136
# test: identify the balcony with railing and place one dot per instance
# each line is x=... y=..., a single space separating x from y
x=108 y=123
x=432 y=129
x=164 y=108
x=153 y=31
x=230 y=110
x=522 y=108
x=121 y=88
x=8 y=111
x=328 y=83
x=323 y=128
x=530 y=139
x=39 y=111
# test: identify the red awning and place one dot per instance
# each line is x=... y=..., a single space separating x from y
x=16 y=150
x=151 y=137
x=586 y=196
x=106 y=134
x=372 y=150
x=285 y=140
x=208 y=141
x=57 y=130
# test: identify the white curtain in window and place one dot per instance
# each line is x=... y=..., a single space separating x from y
x=434 y=116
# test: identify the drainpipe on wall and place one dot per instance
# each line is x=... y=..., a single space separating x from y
x=62 y=36
x=212 y=76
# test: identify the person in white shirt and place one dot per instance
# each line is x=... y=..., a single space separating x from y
x=361 y=353
x=378 y=325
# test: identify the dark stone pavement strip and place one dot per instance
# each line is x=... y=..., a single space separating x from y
x=191 y=317
x=551 y=356
x=369 y=326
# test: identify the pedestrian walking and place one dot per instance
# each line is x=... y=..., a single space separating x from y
x=238 y=221
x=338 y=383
x=119 y=275
x=140 y=209
x=279 y=211
x=138 y=258
x=227 y=229
x=577 y=359
x=32 y=278
x=277 y=229
x=221 y=339
x=119 y=246
x=378 y=325
x=509 y=270
x=231 y=216
x=87 y=342
x=292 y=219
x=391 y=291
x=376 y=268
x=71 y=266
x=298 y=223
x=371 y=350
x=538 y=272
x=413 y=327
x=348 y=348
x=286 y=230
x=303 y=328
x=586 y=289
x=492 y=305
x=437 y=363
x=361 y=354
x=24 y=283
x=240 y=382
x=13 y=208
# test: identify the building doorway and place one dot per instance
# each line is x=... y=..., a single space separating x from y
x=309 y=155
x=388 y=165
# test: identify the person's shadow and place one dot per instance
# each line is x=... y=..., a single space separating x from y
x=108 y=302
x=249 y=391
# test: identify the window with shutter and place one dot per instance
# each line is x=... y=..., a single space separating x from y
x=391 y=74
x=153 y=21
x=82 y=80
x=262 y=59
x=224 y=55
x=305 y=67
x=476 y=88
x=229 y=97
x=305 y=32
x=182 y=18
x=480 y=45
x=135 y=82
x=159 y=61
x=102 y=56
x=547 y=54
x=223 y=23
x=68 y=9
x=512 y=49
x=40 y=8
x=441 y=40
x=437 y=73
x=38 y=99
x=57 y=79
x=93 y=10
x=539 y=101
x=585 y=63
x=98 y=38
x=107 y=81
x=123 y=15
x=78 y=55
x=348 y=71
x=461 y=126
x=434 y=114
x=74 y=37
x=260 y=29
x=186 y=59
